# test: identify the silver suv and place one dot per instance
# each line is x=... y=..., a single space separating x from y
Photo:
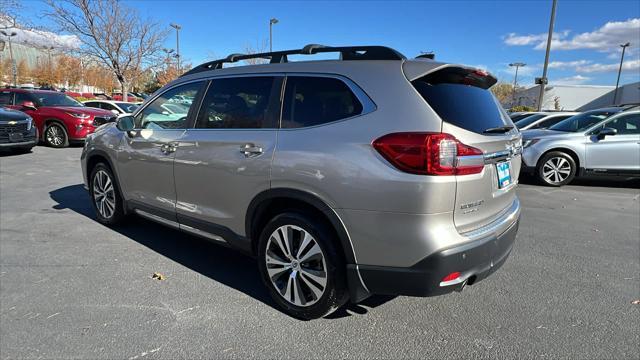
x=371 y=174
x=597 y=142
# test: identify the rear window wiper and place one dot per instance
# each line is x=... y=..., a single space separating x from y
x=498 y=130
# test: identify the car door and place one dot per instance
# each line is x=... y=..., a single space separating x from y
x=224 y=161
x=616 y=152
x=146 y=154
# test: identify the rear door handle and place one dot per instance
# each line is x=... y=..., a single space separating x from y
x=251 y=150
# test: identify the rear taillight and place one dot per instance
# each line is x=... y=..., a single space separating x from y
x=429 y=154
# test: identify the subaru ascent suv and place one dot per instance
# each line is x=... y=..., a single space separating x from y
x=371 y=174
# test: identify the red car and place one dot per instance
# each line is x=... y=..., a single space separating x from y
x=59 y=119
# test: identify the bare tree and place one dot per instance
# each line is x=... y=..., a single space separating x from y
x=9 y=10
x=112 y=34
x=260 y=47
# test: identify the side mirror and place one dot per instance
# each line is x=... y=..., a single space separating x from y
x=602 y=133
x=28 y=105
x=115 y=111
x=126 y=123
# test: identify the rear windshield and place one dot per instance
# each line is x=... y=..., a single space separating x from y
x=465 y=106
x=529 y=120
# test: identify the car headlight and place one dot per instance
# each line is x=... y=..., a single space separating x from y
x=529 y=142
x=29 y=123
x=79 y=115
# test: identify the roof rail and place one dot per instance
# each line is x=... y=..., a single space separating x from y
x=276 y=57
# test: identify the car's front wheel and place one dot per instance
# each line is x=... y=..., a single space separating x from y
x=556 y=169
x=105 y=197
x=301 y=266
x=55 y=135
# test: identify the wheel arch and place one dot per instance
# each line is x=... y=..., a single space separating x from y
x=574 y=155
x=268 y=203
x=48 y=121
x=98 y=156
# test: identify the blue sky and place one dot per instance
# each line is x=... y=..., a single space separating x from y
x=489 y=34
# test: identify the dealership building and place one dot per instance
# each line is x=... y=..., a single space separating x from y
x=576 y=97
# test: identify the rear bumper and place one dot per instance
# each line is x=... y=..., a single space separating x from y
x=474 y=260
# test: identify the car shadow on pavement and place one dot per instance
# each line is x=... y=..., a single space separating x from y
x=214 y=261
x=595 y=181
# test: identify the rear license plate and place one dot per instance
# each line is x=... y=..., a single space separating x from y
x=15 y=137
x=504 y=174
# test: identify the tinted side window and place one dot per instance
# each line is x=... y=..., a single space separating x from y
x=5 y=98
x=240 y=103
x=169 y=110
x=92 y=104
x=313 y=101
x=626 y=125
x=22 y=97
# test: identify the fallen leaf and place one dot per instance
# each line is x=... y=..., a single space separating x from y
x=636 y=302
x=158 y=276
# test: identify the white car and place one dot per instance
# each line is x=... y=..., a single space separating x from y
x=116 y=107
x=542 y=120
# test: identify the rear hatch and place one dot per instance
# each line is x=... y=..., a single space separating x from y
x=470 y=112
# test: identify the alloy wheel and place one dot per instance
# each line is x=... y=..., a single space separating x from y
x=55 y=135
x=104 y=194
x=556 y=170
x=296 y=265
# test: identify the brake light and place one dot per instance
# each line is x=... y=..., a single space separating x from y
x=429 y=154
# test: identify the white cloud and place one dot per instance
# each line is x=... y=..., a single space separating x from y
x=514 y=39
x=571 y=80
x=38 y=38
x=631 y=65
x=568 y=64
x=606 y=38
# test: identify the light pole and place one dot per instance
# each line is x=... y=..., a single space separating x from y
x=615 y=94
x=543 y=80
x=178 y=28
x=9 y=35
x=272 y=22
x=515 y=79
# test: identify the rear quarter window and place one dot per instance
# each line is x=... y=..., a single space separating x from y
x=313 y=101
x=5 y=98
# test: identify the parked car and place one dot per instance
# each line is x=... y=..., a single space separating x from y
x=542 y=120
x=597 y=142
x=364 y=177
x=116 y=107
x=515 y=116
x=17 y=132
x=59 y=119
x=102 y=96
x=117 y=96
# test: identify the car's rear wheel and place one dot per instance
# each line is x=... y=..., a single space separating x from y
x=301 y=266
x=556 y=169
x=55 y=135
x=105 y=196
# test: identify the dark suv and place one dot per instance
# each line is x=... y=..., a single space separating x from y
x=58 y=118
x=16 y=131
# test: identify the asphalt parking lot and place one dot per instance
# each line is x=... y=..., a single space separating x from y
x=72 y=288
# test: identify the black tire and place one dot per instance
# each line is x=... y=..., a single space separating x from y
x=55 y=135
x=117 y=215
x=335 y=292
x=565 y=164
